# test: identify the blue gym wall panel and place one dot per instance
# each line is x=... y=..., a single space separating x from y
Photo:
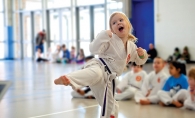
x=143 y=22
x=10 y=43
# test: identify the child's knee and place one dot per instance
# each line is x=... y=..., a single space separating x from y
x=160 y=92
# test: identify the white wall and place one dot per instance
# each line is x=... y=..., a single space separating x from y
x=174 y=26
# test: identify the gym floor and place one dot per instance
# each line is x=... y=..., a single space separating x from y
x=33 y=95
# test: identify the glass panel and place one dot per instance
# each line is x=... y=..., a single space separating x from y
x=27 y=50
x=99 y=20
x=17 y=50
x=85 y=47
x=54 y=26
x=27 y=27
x=38 y=22
x=89 y=2
x=31 y=4
x=2 y=27
x=84 y=24
x=16 y=27
x=58 y=3
x=1 y=6
x=53 y=46
x=2 y=50
x=72 y=44
x=66 y=26
x=16 y=4
x=113 y=6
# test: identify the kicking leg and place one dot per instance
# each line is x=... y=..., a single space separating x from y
x=63 y=80
x=86 y=77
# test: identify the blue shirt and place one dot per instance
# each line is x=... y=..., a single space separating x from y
x=176 y=83
x=66 y=54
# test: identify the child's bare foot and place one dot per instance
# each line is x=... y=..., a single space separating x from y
x=81 y=92
x=161 y=103
x=90 y=97
x=63 y=80
x=177 y=104
x=145 y=102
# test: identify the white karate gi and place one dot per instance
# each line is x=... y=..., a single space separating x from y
x=153 y=82
x=130 y=84
x=97 y=77
x=184 y=96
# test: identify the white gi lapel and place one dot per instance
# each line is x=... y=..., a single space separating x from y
x=119 y=46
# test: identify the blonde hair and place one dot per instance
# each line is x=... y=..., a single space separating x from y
x=191 y=73
x=130 y=35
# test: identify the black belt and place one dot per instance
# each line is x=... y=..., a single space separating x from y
x=113 y=83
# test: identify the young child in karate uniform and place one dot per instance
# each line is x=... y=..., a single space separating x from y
x=175 y=83
x=189 y=103
x=131 y=82
x=115 y=48
x=152 y=84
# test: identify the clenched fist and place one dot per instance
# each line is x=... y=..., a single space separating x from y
x=140 y=52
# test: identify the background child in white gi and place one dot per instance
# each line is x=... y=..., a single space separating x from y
x=190 y=101
x=131 y=82
x=175 y=82
x=152 y=84
x=115 y=48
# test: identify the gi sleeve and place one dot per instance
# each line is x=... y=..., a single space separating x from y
x=100 y=43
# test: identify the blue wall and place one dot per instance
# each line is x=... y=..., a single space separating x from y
x=143 y=22
x=10 y=43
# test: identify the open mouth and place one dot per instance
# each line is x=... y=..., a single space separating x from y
x=121 y=29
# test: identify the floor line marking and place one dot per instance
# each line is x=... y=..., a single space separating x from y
x=62 y=111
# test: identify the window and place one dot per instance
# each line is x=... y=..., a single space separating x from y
x=89 y=2
x=2 y=37
x=28 y=4
x=58 y=3
x=2 y=33
x=1 y=5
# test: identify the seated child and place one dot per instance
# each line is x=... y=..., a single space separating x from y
x=190 y=101
x=187 y=96
x=65 y=54
x=56 y=54
x=152 y=84
x=131 y=82
x=72 y=54
x=80 y=57
x=175 y=82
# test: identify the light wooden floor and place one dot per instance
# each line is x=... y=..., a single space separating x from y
x=33 y=95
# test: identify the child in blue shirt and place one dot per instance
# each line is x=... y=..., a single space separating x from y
x=175 y=82
x=65 y=54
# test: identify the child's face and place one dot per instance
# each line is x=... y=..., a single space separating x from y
x=158 y=64
x=64 y=48
x=173 y=71
x=58 y=47
x=191 y=82
x=136 y=69
x=119 y=26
